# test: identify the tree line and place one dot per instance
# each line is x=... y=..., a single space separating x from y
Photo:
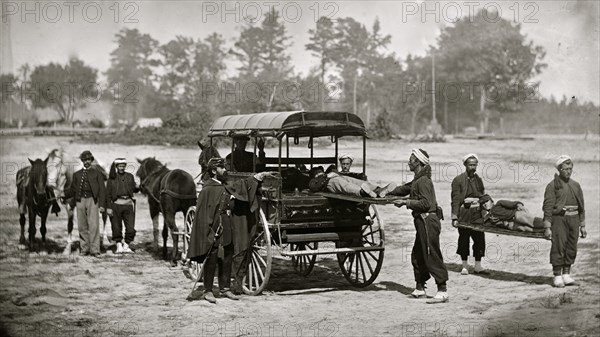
x=476 y=72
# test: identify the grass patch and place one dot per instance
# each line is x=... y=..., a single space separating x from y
x=150 y=136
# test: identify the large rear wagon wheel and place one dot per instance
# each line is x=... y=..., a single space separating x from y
x=361 y=268
x=194 y=268
x=303 y=264
x=258 y=259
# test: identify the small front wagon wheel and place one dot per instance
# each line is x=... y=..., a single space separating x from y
x=258 y=259
x=303 y=264
x=361 y=268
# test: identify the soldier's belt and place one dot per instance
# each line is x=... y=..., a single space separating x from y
x=571 y=210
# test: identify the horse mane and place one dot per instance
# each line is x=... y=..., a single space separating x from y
x=148 y=166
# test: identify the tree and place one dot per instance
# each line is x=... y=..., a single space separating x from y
x=413 y=92
x=265 y=67
x=133 y=65
x=64 y=88
x=356 y=48
x=322 y=43
x=247 y=49
x=493 y=54
x=8 y=88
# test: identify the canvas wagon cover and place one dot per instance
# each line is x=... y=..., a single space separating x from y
x=291 y=123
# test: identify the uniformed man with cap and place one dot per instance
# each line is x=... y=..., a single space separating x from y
x=120 y=204
x=221 y=205
x=89 y=196
x=564 y=220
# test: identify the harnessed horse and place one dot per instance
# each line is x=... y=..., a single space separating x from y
x=207 y=153
x=33 y=197
x=168 y=192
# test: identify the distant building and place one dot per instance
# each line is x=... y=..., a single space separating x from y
x=148 y=123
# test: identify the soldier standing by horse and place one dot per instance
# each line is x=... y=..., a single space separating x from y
x=89 y=196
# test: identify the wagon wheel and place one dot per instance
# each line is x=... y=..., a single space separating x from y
x=303 y=264
x=362 y=268
x=258 y=259
x=194 y=268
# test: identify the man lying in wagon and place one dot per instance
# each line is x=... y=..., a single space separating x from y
x=334 y=182
x=508 y=214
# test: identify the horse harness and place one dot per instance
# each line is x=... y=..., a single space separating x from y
x=163 y=189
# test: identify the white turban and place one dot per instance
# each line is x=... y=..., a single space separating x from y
x=470 y=155
x=120 y=161
x=346 y=156
x=561 y=160
x=420 y=156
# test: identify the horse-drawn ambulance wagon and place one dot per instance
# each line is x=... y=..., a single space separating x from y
x=294 y=222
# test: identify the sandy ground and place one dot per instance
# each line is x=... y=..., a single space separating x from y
x=56 y=295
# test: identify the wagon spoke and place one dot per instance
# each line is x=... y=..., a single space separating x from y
x=373 y=256
x=255 y=273
x=250 y=277
x=351 y=261
x=259 y=258
x=260 y=272
x=357 y=266
x=362 y=267
x=368 y=264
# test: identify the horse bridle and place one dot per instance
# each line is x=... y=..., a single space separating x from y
x=143 y=183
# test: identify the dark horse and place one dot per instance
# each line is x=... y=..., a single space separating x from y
x=207 y=152
x=32 y=195
x=169 y=192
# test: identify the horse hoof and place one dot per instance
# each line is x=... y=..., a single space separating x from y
x=22 y=241
x=173 y=264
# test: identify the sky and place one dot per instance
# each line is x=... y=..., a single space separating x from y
x=46 y=31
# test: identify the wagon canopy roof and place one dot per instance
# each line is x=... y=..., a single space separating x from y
x=291 y=123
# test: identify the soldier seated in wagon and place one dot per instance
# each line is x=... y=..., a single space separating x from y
x=240 y=160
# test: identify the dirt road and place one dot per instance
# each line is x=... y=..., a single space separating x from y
x=57 y=295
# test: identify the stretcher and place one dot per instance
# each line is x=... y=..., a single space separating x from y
x=363 y=200
x=536 y=234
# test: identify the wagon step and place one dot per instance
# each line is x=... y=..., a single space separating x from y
x=321 y=251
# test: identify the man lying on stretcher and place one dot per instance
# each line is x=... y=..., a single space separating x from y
x=508 y=214
x=334 y=182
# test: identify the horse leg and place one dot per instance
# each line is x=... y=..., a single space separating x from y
x=170 y=223
x=104 y=234
x=104 y=215
x=165 y=235
x=22 y=221
x=67 y=250
x=43 y=218
x=32 y=216
x=154 y=215
x=69 y=225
